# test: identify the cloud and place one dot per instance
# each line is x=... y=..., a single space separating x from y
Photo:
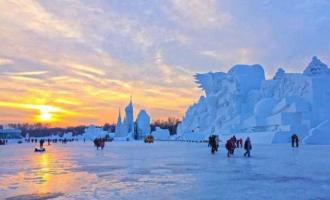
x=30 y=15
x=198 y=14
x=29 y=73
x=88 y=57
x=5 y=61
x=87 y=69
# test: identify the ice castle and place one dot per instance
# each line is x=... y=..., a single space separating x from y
x=128 y=129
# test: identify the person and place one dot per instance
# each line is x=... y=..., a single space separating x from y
x=217 y=140
x=241 y=142
x=297 y=141
x=247 y=147
x=294 y=140
x=230 y=146
x=212 y=143
x=99 y=143
x=234 y=139
x=41 y=142
x=102 y=143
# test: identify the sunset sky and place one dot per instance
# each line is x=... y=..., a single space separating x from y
x=70 y=62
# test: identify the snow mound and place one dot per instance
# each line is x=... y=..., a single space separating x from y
x=92 y=132
x=161 y=134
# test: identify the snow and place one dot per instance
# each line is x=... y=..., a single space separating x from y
x=128 y=129
x=243 y=102
x=319 y=134
x=91 y=133
x=143 y=124
x=316 y=67
x=161 y=134
x=125 y=128
x=165 y=170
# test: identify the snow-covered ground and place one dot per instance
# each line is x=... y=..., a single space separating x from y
x=163 y=170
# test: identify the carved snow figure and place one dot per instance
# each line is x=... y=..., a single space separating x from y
x=279 y=74
x=316 y=67
x=142 y=125
x=125 y=129
x=242 y=102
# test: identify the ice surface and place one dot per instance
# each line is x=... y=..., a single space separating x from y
x=164 y=170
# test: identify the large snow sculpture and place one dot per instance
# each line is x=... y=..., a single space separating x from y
x=242 y=102
x=142 y=125
x=127 y=129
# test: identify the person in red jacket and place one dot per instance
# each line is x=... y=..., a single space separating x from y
x=230 y=146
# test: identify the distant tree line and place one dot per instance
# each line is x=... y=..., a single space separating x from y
x=44 y=130
x=170 y=123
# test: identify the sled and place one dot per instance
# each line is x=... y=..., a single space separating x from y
x=39 y=150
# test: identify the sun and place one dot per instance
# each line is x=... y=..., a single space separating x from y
x=45 y=114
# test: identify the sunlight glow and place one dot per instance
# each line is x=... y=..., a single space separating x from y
x=45 y=113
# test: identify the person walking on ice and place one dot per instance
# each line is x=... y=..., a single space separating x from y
x=247 y=147
x=294 y=140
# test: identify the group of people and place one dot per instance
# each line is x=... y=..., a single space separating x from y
x=63 y=141
x=99 y=143
x=230 y=145
x=3 y=142
x=234 y=143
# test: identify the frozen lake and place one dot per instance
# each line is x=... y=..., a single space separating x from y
x=163 y=170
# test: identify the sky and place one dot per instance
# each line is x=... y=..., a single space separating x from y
x=72 y=62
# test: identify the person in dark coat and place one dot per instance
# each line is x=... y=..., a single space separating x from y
x=237 y=143
x=217 y=140
x=297 y=141
x=294 y=140
x=247 y=147
x=210 y=141
x=41 y=142
x=213 y=143
x=234 y=139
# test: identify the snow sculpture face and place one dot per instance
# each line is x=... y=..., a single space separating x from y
x=316 y=67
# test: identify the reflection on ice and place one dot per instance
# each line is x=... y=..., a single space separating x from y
x=163 y=170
